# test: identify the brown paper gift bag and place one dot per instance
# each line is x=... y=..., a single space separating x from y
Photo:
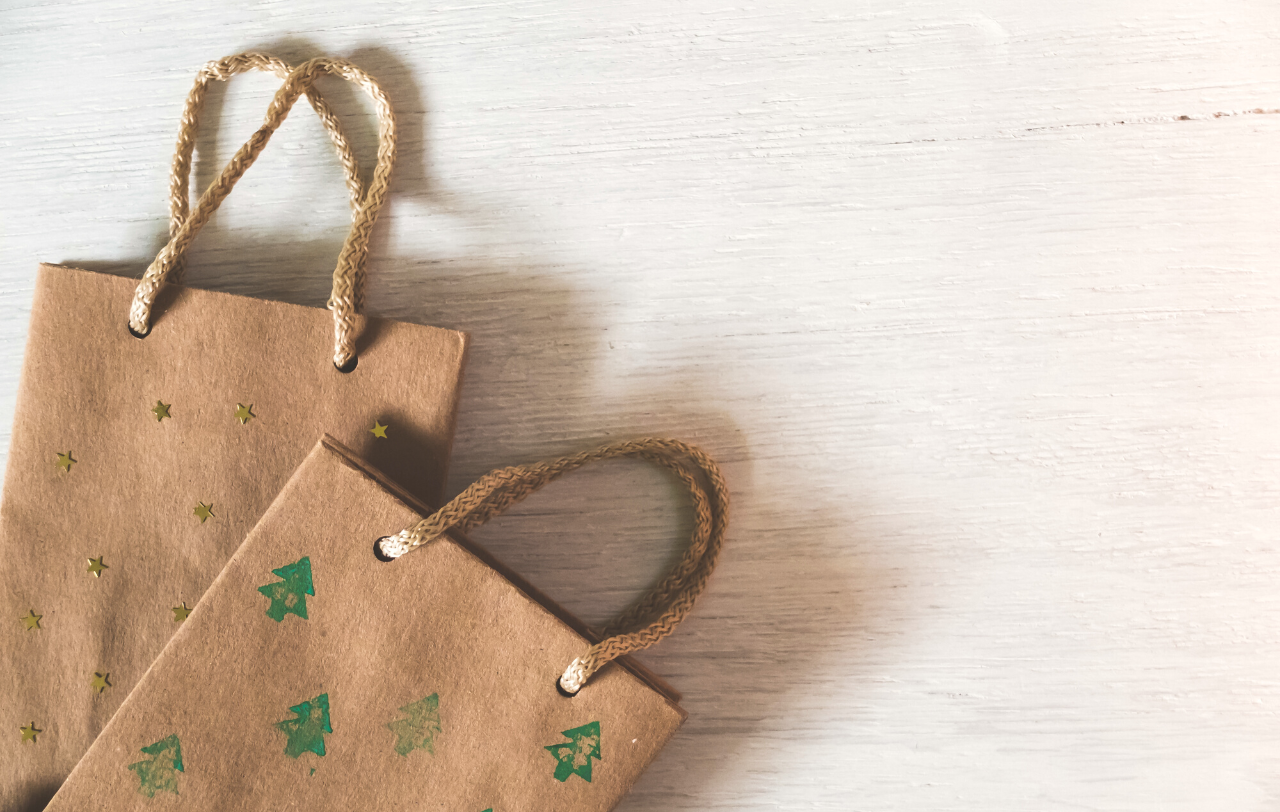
x=138 y=465
x=318 y=673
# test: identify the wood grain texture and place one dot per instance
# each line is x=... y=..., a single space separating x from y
x=977 y=302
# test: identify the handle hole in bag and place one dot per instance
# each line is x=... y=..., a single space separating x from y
x=377 y=550
x=349 y=366
x=562 y=690
x=135 y=333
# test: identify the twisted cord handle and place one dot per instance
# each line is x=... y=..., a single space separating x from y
x=221 y=70
x=348 y=277
x=661 y=609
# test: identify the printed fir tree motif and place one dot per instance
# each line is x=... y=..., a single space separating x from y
x=575 y=757
x=306 y=731
x=289 y=597
x=419 y=728
x=159 y=773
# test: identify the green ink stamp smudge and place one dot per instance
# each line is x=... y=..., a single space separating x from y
x=289 y=596
x=575 y=757
x=306 y=731
x=160 y=772
x=419 y=728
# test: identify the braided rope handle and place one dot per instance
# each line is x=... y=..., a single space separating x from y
x=662 y=608
x=222 y=70
x=348 y=277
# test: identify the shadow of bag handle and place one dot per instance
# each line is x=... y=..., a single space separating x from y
x=661 y=609
x=222 y=70
x=348 y=277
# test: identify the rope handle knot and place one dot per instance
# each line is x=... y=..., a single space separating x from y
x=347 y=296
x=661 y=609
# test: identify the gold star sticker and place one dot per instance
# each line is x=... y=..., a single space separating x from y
x=244 y=413
x=180 y=612
x=161 y=410
x=32 y=620
x=29 y=732
x=378 y=430
x=64 y=461
x=96 y=567
x=99 y=682
x=203 y=511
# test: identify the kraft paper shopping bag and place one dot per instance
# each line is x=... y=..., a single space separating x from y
x=154 y=425
x=337 y=664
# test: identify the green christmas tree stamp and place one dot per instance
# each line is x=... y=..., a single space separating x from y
x=306 y=730
x=419 y=727
x=576 y=755
x=159 y=773
x=289 y=596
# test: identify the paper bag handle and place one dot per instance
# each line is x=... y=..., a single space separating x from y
x=348 y=277
x=656 y=614
x=222 y=70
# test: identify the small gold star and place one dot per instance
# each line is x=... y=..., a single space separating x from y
x=378 y=430
x=161 y=410
x=64 y=461
x=96 y=567
x=29 y=732
x=180 y=612
x=32 y=620
x=203 y=511
x=99 y=682
x=244 y=413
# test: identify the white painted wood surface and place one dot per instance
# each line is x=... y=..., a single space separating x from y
x=985 y=332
